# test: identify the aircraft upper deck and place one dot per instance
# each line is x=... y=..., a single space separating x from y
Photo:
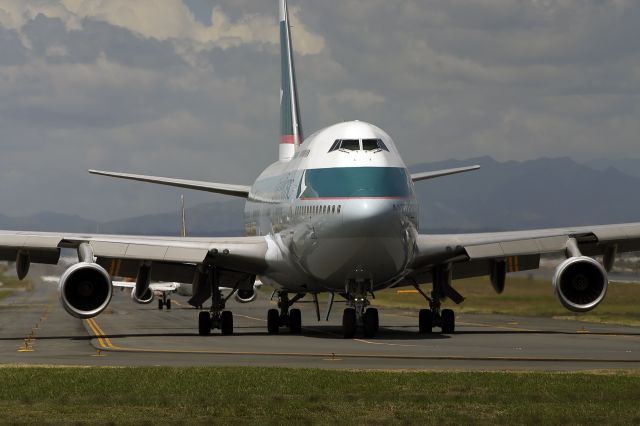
x=349 y=144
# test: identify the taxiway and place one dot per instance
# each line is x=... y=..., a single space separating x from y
x=34 y=329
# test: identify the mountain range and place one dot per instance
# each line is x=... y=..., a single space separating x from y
x=546 y=192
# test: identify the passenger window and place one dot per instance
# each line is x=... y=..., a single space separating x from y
x=350 y=144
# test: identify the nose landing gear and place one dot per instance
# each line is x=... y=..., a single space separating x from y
x=358 y=311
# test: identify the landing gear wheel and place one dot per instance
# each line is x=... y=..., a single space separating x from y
x=168 y=304
x=226 y=323
x=370 y=322
x=160 y=304
x=204 y=323
x=349 y=323
x=295 y=321
x=273 y=321
x=448 y=321
x=425 y=321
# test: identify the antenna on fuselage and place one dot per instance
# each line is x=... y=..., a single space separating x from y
x=183 y=228
x=291 y=135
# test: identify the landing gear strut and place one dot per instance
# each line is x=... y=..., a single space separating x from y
x=435 y=316
x=358 y=311
x=285 y=316
x=216 y=317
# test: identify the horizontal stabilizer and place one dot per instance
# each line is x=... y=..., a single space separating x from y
x=218 y=188
x=437 y=173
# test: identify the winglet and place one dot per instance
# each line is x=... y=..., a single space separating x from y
x=183 y=230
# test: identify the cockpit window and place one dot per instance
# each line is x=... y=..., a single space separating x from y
x=354 y=145
x=350 y=144
x=373 y=145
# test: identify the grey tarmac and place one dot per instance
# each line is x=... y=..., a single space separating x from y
x=35 y=330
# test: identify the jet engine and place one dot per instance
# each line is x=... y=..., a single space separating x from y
x=146 y=298
x=85 y=290
x=246 y=296
x=580 y=283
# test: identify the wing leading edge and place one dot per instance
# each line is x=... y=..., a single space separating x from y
x=472 y=254
x=122 y=255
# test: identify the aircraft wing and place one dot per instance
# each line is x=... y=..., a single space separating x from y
x=218 y=188
x=174 y=259
x=472 y=254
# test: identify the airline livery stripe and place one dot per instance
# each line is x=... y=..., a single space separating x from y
x=288 y=139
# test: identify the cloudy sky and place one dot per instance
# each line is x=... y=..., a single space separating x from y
x=190 y=88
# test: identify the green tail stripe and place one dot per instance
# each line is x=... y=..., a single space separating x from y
x=289 y=102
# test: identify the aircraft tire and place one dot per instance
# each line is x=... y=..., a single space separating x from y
x=204 y=323
x=448 y=321
x=273 y=321
x=226 y=323
x=295 y=321
x=349 y=323
x=425 y=321
x=370 y=322
x=168 y=304
x=160 y=304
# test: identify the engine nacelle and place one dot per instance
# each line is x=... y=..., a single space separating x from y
x=246 y=296
x=85 y=290
x=580 y=283
x=146 y=298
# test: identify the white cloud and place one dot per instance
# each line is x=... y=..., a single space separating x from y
x=162 y=20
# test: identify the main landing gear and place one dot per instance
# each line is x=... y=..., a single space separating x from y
x=216 y=316
x=164 y=301
x=285 y=317
x=435 y=316
x=358 y=311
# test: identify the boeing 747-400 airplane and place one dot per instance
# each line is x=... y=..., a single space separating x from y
x=336 y=214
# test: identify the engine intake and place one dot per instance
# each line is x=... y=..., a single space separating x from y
x=85 y=290
x=580 y=283
x=246 y=296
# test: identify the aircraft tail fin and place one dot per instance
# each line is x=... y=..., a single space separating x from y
x=290 y=124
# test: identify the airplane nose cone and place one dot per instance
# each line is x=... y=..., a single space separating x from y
x=373 y=240
x=371 y=218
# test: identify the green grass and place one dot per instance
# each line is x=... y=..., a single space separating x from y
x=526 y=297
x=302 y=396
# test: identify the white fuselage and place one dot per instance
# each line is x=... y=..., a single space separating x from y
x=333 y=215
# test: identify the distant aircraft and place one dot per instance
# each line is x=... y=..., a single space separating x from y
x=337 y=213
